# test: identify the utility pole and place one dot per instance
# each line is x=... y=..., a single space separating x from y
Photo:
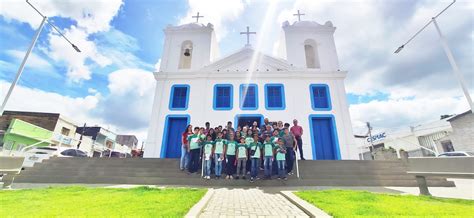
x=369 y=127
x=80 y=138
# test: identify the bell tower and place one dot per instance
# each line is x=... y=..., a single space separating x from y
x=188 y=47
x=310 y=45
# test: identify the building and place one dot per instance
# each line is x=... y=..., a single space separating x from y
x=462 y=136
x=130 y=141
x=63 y=129
x=194 y=85
x=418 y=141
x=21 y=134
x=103 y=140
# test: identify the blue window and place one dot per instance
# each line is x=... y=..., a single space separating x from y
x=248 y=97
x=179 y=97
x=223 y=95
x=274 y=97
x=320 y=98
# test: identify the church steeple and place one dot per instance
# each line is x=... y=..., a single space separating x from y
x=188 y=46
x=310 y=45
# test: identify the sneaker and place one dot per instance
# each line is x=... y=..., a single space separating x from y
x=303 y=158
x=208 y=177
x=182 y=169
x=237 y=177
x=231 y=177
x=279 y=178
x=251 y=179
x=284 y=178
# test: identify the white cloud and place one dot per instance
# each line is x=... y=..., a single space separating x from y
x=39 y=65
x=92 y=15
x=158 y=65
x=217 y=12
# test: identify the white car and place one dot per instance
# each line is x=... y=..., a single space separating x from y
x=457 y=154
x=38 y=154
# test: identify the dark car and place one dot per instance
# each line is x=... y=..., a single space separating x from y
x=73 y=153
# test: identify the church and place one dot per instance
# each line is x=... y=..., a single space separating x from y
x=194 y=85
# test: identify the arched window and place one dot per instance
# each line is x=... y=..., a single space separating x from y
x=186 y=55
x=311 y=54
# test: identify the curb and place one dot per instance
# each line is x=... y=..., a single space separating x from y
x=308 y=208
x=200 y=205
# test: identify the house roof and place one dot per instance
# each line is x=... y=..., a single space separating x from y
x=459 y=115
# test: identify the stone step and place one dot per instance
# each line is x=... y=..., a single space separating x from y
x=180 y=174
x=193 y=181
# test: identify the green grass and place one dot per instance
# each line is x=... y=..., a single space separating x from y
x=98 y=202
x=348 y=203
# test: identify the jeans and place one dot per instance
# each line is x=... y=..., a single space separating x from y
x=254 y=168
x=184 y=162
x=281 y=168
x=218 y=164
x=290 y=159
x=207 y=171
x=194 y=161
x=300 y=146
x=267 y=165
x=230 y=165
x=242 y=166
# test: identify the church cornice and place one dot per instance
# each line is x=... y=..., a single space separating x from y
x=162 y=76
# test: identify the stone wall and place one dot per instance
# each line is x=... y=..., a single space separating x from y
x=463 y=132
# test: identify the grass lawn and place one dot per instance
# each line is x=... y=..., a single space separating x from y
x=98 y=202
x=348 y=203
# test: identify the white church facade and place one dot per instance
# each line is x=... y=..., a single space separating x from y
x=194 y=86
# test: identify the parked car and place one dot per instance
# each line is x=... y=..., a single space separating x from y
x=38 y=154
x=72 y=153
x=116 y=154
x=457 y=154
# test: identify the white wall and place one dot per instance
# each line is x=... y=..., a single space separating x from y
x=297 y=96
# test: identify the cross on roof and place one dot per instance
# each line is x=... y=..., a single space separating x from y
x=299 y=15
x=197 y=17
x=248 y=35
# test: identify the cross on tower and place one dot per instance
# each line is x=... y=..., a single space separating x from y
x=248 y=35
x=299 y=15
x=197 y=17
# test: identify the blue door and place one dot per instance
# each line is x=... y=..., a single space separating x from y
x=324 y=138
x=174 y=128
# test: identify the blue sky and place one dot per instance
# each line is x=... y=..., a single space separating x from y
x=110 y=83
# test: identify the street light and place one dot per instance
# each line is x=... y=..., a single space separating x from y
x=448 y=52
x=33 y=42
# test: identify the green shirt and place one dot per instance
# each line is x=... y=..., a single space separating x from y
x=193 y=141
x=274 y=140
x=268 y=149
x=280 y=155
x=219 y=146
x=242 y=149
x=256 y=146
x=231 y=146
x=248 y=141
x=208 y=147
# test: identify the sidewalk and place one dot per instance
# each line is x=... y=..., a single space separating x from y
x=464 y=190
x=249 y=203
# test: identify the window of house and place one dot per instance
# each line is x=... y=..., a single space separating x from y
x=179 y=97
x=274 y=97
x=65 y=131
x=223 y=94
x=248 y=97
x=320 y=98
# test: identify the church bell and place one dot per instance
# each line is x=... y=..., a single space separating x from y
x=187 y=53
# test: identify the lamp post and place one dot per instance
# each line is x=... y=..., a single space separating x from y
x=32 y=44
x=448 y=52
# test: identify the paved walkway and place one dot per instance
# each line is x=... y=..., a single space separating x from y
x=249 y=203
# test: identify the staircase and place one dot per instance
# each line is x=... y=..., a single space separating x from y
x=166 y=172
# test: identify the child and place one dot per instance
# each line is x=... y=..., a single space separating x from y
x=255 y=153
x=241 y=158
x=280 y=157
x=269 y=148
x=194 y=149
x=230 y=156
x=207 y=154
x=219 y=155
x=249 y=140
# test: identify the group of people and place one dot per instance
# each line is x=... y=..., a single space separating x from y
x=234 y=153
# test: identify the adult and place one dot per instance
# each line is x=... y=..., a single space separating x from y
x=184 y=161
x=230 y=130
x=267 y=131
x=297 y=131
x=263 y=127
x=289 y=140
x=255 y=127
